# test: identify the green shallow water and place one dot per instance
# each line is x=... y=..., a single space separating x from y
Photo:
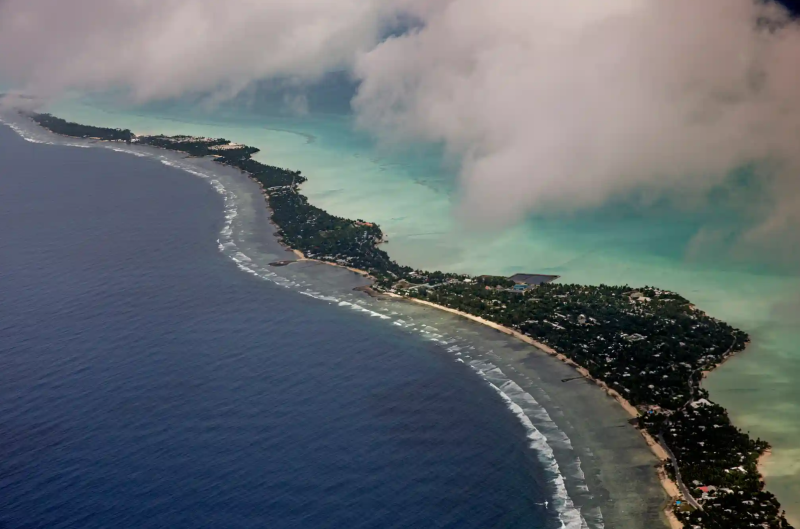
x=414 y=198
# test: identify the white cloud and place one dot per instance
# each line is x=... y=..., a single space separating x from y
x=164 y=48
x=568 y=104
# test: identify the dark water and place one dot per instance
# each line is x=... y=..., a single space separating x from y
x=146 y=382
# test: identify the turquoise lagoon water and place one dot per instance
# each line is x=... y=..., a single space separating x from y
x=413 y=195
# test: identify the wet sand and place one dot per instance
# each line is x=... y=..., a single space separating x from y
x=670 y=487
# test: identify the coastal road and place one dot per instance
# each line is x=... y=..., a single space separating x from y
x=681 y=485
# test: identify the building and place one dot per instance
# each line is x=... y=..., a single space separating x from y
x=701 y=402
x=227 y=147
x=532 y=279
x=635 y=337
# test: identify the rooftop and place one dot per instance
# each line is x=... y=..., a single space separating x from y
x=533 y=279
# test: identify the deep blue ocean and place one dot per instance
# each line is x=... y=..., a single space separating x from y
x=146 y=382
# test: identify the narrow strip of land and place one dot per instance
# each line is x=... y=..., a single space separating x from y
x=646 y=347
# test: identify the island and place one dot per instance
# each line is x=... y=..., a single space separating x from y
x=648 y=348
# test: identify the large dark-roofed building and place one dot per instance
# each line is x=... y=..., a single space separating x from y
x=532 y=279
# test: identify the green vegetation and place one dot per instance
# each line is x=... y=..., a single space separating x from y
x=650 y=345
x=66 y=128
x=718 y=463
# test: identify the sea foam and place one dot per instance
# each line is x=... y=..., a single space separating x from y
x=515 y=398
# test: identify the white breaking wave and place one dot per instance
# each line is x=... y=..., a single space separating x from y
x=358 y=307
x=24 y=134
x=129 y=151
x=569 y=515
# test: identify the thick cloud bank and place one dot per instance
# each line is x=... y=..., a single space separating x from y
x=570 y=103
x=547 y=104
x=164 y=48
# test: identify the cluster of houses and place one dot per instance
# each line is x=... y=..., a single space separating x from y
x=227 y=147
x=522 y=282
x=186 y=139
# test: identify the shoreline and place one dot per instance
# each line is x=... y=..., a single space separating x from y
x=762 y=462
x=669 y=486
x=301 y=258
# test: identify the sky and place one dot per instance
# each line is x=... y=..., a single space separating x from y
x=572 y=103
x=792 y=5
